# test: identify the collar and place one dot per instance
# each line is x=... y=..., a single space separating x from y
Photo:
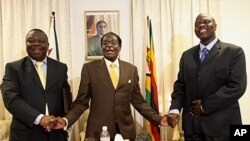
x=99 y=35
x=34 y=61
x=108 y=63
x=209 y=46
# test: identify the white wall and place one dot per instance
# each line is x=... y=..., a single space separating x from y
x=235 y=29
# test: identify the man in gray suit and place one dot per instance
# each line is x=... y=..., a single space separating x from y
x=31 y=102
x=110 y=104
x=209 y=86
x=94 y=42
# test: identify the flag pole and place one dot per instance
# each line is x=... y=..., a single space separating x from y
x=53 y=35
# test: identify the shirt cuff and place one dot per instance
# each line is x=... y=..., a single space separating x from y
x=66 y=126
x=202 y=109
x=174 y=111
x=39 y=117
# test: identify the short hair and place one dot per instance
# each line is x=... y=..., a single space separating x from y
x=112 y=33
x=36 y=29
x=99 y=22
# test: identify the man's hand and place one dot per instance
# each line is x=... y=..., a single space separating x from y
x=196 y=108
x=60 y=123
x=46 y=122
x=173 y=119
x=164 y=121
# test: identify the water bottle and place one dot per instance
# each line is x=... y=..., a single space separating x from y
x=105 y=134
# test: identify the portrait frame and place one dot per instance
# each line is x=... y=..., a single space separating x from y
x=91 y=18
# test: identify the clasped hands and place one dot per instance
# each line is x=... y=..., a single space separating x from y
x=50 y=122
x=172 y=119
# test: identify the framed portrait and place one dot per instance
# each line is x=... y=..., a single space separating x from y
x=97 y=24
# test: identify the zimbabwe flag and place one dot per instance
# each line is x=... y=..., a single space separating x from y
x=151 y=86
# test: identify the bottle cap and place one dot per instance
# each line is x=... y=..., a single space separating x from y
x=104 y=128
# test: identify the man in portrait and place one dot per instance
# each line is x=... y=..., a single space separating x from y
x=94 y=42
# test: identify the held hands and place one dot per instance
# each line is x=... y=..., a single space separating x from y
x=173 y=119
x=50 y=123
x=46 y=123
x=164 y=121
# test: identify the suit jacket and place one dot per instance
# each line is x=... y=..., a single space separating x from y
x=108 y=105
x=94 y=46
x=219 y=81
x=25 y=98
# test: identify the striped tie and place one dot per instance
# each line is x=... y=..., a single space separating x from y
x=204 y=52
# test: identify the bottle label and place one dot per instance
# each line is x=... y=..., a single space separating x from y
x=105 y=139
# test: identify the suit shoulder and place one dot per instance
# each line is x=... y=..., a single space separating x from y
x=191 y=50
x=56 y=62
x=93 y=38
x=127 y=64
x=18 y=62
x=229 y=45
x=94 y=63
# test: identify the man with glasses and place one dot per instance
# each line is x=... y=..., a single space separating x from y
x=110 y=101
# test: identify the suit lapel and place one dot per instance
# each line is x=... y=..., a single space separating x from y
x=104 y=73
x=124 y=74
x=215 y=50
x=196 y=55
x=51 y=74
x=30 y=69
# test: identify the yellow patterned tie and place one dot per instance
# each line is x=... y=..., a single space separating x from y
x=113 y=75
x=41 y=73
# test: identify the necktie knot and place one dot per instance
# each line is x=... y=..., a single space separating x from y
x=39 y=64
x=112 y=65
x=41 y=73
x=204 y=52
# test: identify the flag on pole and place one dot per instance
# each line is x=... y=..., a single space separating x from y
x=151 y=86
x=53 y=51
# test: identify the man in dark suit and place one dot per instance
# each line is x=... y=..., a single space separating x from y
x=110 y=104
x=208 y=90
x=31 y=102
x=94 y=42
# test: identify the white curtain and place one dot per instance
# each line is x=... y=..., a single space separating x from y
x=173 y=32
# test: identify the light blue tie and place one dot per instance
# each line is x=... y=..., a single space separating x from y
x=204 y=53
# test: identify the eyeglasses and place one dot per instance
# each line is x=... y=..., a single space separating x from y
x=112 y=42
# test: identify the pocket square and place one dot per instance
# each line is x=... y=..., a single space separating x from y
x=129 y=81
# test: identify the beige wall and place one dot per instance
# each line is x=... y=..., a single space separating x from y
x=235 y=29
